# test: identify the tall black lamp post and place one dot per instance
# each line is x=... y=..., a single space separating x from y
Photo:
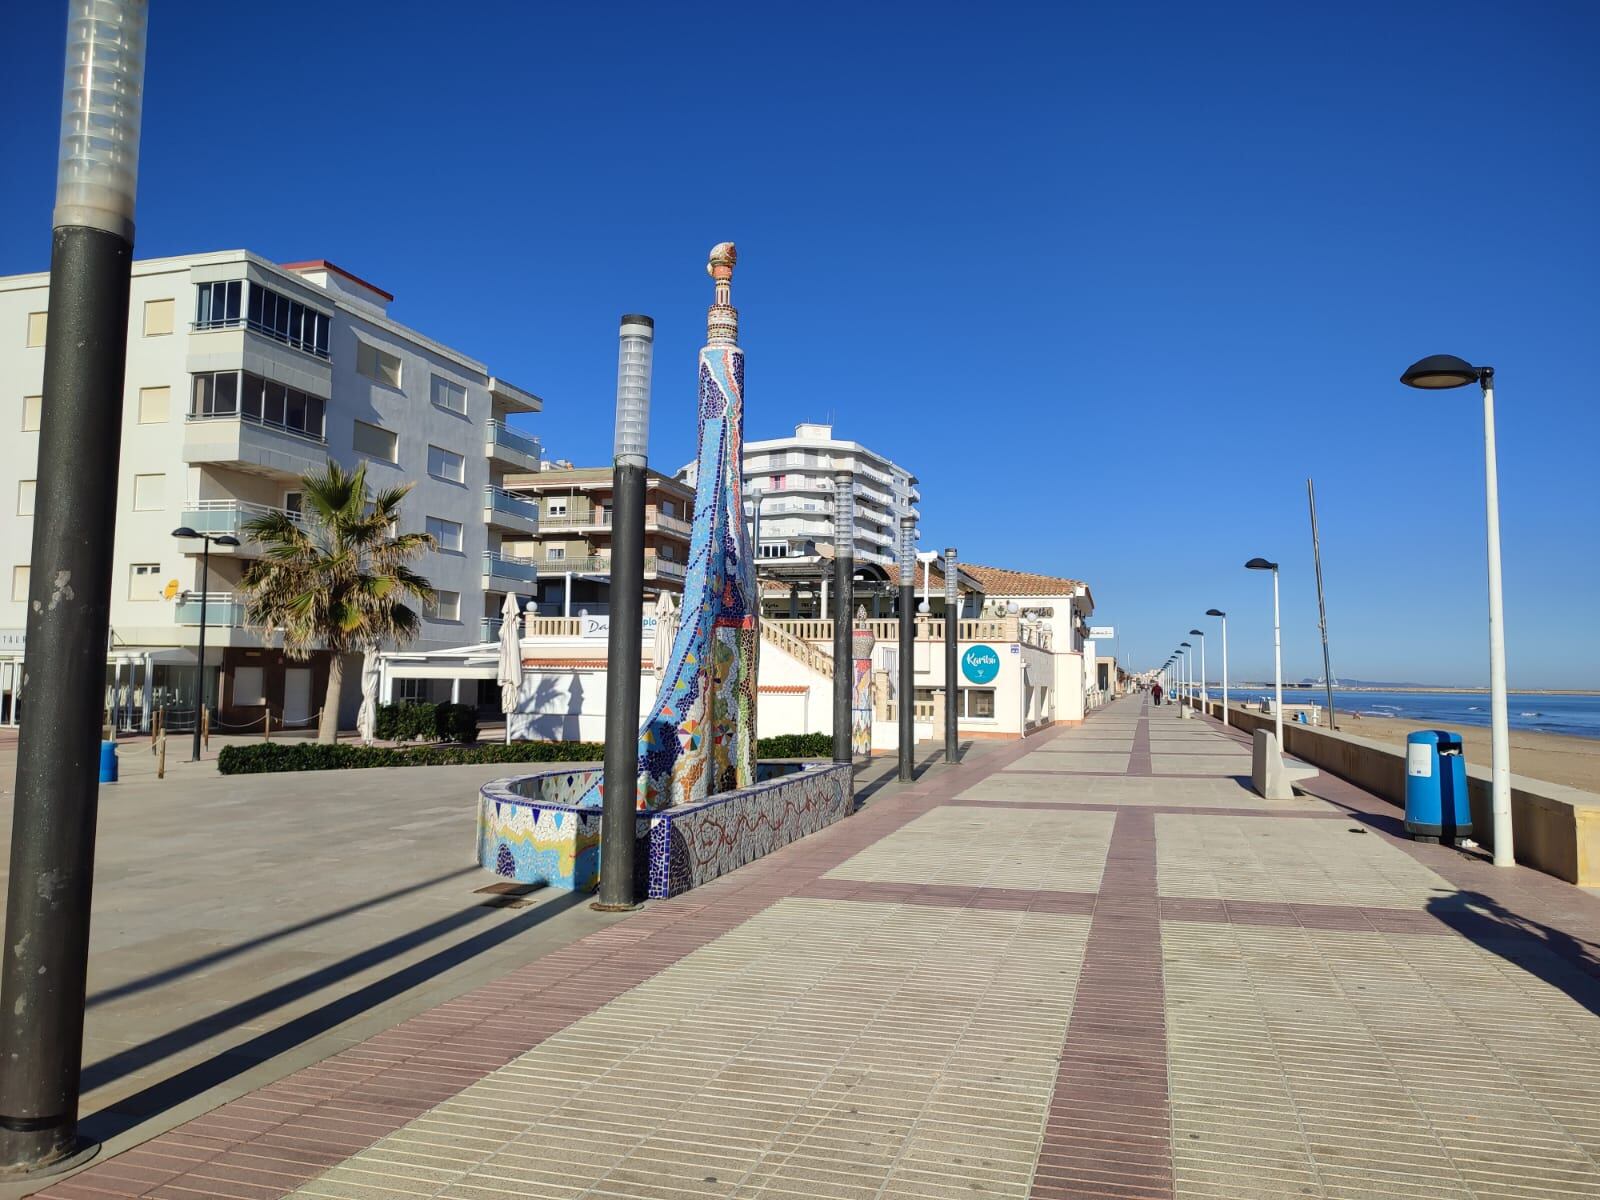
x=46 y=951
x=952 y=654
x=619 y=800
x=844 y=570
x=908 y=644
x=225 y=539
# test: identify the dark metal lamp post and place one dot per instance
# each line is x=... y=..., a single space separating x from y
x=952 y=635
x=226 y=539
x=46 y=952
x=1262 y=564
x=619 y=801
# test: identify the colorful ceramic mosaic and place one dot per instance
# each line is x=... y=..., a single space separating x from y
x=699 y=738
x=525 y=833
x=862 y=642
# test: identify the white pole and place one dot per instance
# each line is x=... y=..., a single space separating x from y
x=1225 y=670
x=1202 y=668
x=1500 y=727
x=1277 y=665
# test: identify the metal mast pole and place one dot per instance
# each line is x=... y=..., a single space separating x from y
x=908 y=643
x=1322 y=608
x=952 y=633
x=844 y=569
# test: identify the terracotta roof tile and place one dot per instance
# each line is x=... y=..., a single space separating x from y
x=999 y=581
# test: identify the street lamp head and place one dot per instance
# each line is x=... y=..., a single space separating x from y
x=1260 y=564
x=1186 y=645
x=1215 y=612
x=1197 y=633
x=635 y=350
x=226 y=539
x=1439 y=371
x=183 y=531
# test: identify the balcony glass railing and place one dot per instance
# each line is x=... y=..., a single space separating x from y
x=497 y=499
x=506 y=566
x=217 y=517
x=223 y=611
x=489 y=629
x=498 y=433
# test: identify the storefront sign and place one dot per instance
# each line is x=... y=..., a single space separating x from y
x=600 y=627
x=980 y=664
x=1102 y=633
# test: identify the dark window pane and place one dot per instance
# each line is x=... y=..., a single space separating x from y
x=255 y=303
x=283 y=318
x=226 y=397
x=250 y=397
x=314 y=414
x=273 y=403
x=233 y=300
x=295 y=414
x=201 y=404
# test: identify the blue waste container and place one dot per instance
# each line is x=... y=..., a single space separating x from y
x=108 y=762
x=1436 y=787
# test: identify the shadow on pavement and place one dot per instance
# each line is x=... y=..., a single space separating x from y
x=143 y=984
x=1567 y=963
x=192 y=1081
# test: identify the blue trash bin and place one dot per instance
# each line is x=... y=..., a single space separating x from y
x=1436 y=787
x=108 y=762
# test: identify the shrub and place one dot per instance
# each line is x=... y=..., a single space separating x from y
x=427 y=722
x=264 y=757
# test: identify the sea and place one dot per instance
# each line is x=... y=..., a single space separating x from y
x=1547 y=712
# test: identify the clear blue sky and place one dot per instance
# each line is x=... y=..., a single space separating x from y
x=1113 y=279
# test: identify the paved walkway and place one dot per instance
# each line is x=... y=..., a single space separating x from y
x=1092 y=964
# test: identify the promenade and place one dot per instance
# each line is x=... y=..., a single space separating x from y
x=1091 y=964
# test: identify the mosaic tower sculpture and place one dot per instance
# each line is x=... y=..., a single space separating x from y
x=698 y=737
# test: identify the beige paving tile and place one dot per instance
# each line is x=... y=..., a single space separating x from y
x=990 y=848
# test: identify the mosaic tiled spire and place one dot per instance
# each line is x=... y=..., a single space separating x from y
x=699 y=736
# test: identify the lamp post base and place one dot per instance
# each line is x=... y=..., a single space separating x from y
x=71 y=1161
x=607 y=906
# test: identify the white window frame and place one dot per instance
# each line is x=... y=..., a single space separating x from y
x=161 y=482
x=460 y=464
x=137 y=571
x=445 y=605
x=436 y=525
x=35 y=411
x=371 y=360
x=27 y=494
x=395 y=437
x=155 y=305
x=150 y=394
x=441 y=384
x=555 y=554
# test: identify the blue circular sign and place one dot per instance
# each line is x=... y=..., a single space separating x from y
x=980 y=664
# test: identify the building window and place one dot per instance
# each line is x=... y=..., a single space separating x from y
x=668 y=509
x=216 y=394
x=376 y=442
x=447 y=394
x=149 y=493
x=36 y=328
x=665 y=551
x=978 y=703
x=157 y=318
x=445 y=534
x=446 y=605
x=19 y=583
x=144 y=581
x=378 y=365
x=292 y=502
x=446 y=464
x=555 y=508
x=268 y=402
x=25 y=489
x=155 y=405
x=288 y=321
x=555 y=553
x=773 y=550
x=30 y=413
x=412 y=691
x=216 y=305
x=249 y=689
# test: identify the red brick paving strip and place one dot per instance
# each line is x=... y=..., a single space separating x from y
x=1108 y=1131
x=268 y=1143
x=1139 y=756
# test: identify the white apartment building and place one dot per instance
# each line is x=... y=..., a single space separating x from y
x=793 y=478
x=242 y=375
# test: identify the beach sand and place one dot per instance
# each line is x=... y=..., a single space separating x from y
x=1553 y=757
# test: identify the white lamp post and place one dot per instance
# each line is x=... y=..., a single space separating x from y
x=1188 y=673
x=1261 y=564
x=1447 y=371
x=1201 y=686
x=1217 y=612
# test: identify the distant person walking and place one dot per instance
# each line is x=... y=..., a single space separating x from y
x=1155 y=692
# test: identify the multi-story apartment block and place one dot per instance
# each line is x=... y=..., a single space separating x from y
x=793 y=479
x=242 y=375
x=572 y=549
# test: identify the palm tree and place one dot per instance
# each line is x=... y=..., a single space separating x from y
x=335 y=575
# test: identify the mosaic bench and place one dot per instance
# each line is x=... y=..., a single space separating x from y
x=531 y=830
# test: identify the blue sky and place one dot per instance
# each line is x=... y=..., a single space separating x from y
x=1113 y=280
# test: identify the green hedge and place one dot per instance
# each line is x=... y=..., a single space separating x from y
x=264 y=757
x=427 y=722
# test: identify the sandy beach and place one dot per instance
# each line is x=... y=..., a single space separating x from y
x=1554 y=757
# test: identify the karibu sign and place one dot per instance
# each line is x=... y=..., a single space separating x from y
x=980 y=664
x=1102 y=633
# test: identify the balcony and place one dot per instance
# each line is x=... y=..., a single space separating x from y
x=505 y=510
x=505 y=572
x=504 y=445
x=222 y=610
x=252 y=445
x=218 y=517
x=489 y=628
x=663 y=568
x=654 y=566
